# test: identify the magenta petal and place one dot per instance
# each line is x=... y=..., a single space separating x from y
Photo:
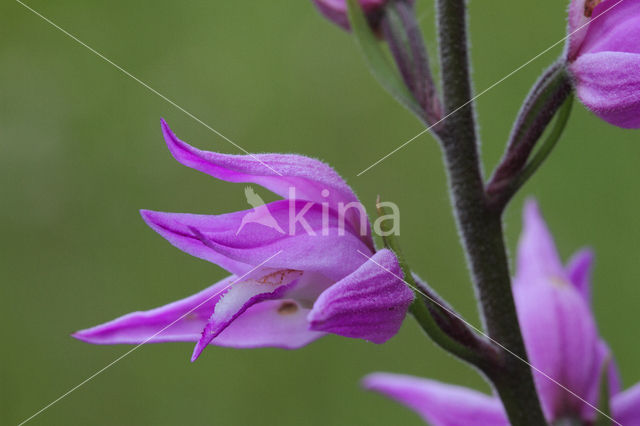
x=614 y=28
x=271 y=323
x=280 y=173
x=626 y=406
x=369 y=304
x=241 y=296
x=608 y=83
x=438 y=403
x=576 y=28
x=182 y=231
x=579 y=272
x=537 y=254
x=190 y=316
x=238 y=246
x=561 y=340
x=556 y=321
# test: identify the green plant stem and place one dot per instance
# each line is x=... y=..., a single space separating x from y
x=481 y=228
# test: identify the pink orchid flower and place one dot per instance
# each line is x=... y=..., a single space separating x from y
x=299 y=267
x=553 y=303
x=604 y=58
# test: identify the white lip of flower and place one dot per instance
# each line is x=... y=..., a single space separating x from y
x=254 y=287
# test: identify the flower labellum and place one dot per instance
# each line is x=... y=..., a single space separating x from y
x=559 y=330
x=297 y=265
x=603 y=55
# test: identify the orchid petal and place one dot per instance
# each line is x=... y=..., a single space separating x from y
x=241 y=296
x=556 y=321
x=577 y=28
x=438 y=403
x=608 y=83
x=626 y=406
x=579 y=272
x=272 y=323
x=319 y=244
x=310 y=179
x=537 y=254
x=180 y=321
x=613 y=28
x=370 y=303
x=562 y=342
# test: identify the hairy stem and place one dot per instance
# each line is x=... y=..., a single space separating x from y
x=479 y=226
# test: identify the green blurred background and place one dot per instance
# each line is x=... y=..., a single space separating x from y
x=81 y=152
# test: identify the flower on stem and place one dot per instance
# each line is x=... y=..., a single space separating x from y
x=286 y=288
x=336 y=11
x=604 y=58
x=553 y=303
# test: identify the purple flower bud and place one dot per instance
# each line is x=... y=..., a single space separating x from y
x=604 y=58
x=336 y=11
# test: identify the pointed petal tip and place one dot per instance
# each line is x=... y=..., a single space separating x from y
x=167 y=133
x=582 y=259
x=197 y=350
x=372 y=381
x=531 y=210
x=150 y=218
x=172 y=141
x=579 y=269
x=88 y=335
x=164 y=125
x=146 y=214
x=80 y=335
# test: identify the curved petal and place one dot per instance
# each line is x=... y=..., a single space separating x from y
x=579 y=272
x=615 y=27
x=557 y=324
x=314 y=240
x=272 y=323
x=370 y=303
x=180 y=230
x=537 y=254
x=438 y=403
x=576 y=27
x=308 y=178
x=626 y=406
x=180 y=321
x=239 y=297
x=608 y=83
